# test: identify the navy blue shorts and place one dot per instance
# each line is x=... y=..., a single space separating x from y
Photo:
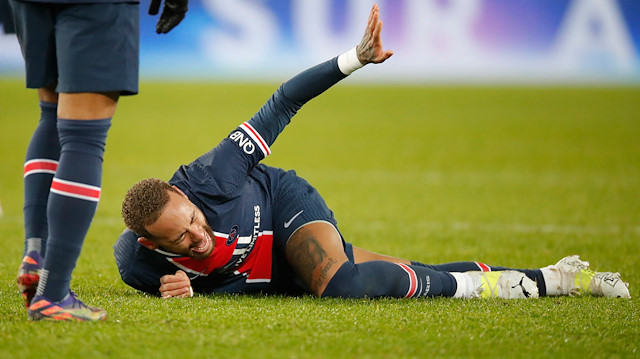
x=297 y=203
x=90 y=47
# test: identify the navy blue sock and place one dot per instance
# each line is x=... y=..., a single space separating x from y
x=533 y=274
x=460 y=267
x=75 y=191
x=40 y=165
x=385 y=279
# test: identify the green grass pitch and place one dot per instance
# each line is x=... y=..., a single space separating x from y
x=516 y=176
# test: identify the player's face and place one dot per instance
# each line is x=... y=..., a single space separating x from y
x=182 y=228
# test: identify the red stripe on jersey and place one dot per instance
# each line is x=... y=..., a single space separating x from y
x=263 y=145
x=413 y=280
x=483 y=267
x=74 y=189
x=218 y=258
x=259 y=261
x=40 y=166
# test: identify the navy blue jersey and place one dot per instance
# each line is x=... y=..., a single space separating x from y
x=250 y=206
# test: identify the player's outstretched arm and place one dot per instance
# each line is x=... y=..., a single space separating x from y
x=370 y=49
x=172 y=14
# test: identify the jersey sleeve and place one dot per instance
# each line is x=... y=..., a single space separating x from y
x=139 y=267
x=272 y=118
x=222 y=171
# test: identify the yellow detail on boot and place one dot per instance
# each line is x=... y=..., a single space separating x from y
x=490 y=284
x=583 y=280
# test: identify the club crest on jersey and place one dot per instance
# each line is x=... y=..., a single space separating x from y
x=243 y=141
x=233 y=235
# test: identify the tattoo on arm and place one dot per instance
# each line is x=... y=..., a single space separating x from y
x=307 y=256
x=323 y=272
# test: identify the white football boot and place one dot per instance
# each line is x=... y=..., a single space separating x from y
x=572 y=276
x=503 y=284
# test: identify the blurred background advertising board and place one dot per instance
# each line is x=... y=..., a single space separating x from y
x=435 y=41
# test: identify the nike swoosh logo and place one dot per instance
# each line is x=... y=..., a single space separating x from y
x=288 y=223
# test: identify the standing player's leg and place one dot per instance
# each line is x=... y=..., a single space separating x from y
x=34 y=24
x=41 y=162
x=83 y=122
x=91 y=78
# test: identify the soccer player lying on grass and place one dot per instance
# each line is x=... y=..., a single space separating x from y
x=236 y=226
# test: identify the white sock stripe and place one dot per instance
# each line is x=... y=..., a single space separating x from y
x=32 y=172
x=77 y=184
x=73 y=195
x=40 y=165
x=43 y=160
x=75 y=190
x=44 y=274
x=413 y=280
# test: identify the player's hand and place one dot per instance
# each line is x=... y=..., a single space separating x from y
x=176 y=285
x=370 y=48
x=172 y=14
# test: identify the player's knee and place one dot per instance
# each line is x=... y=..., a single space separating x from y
x=345 y=283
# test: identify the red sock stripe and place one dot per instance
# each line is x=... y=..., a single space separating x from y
x=413 y=280
x=483 y=267
x=75 y=190
x=40 y=165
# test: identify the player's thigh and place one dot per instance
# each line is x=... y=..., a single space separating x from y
x=35 y=28
x=97 y=46
x=315 y=251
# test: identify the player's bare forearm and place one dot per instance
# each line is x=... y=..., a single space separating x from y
x=370 y=49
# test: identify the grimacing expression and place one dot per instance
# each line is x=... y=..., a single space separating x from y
x=181 y=229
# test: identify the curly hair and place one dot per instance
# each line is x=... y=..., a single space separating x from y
x=143 y=204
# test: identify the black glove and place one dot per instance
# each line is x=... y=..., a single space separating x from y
x=172 y=14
